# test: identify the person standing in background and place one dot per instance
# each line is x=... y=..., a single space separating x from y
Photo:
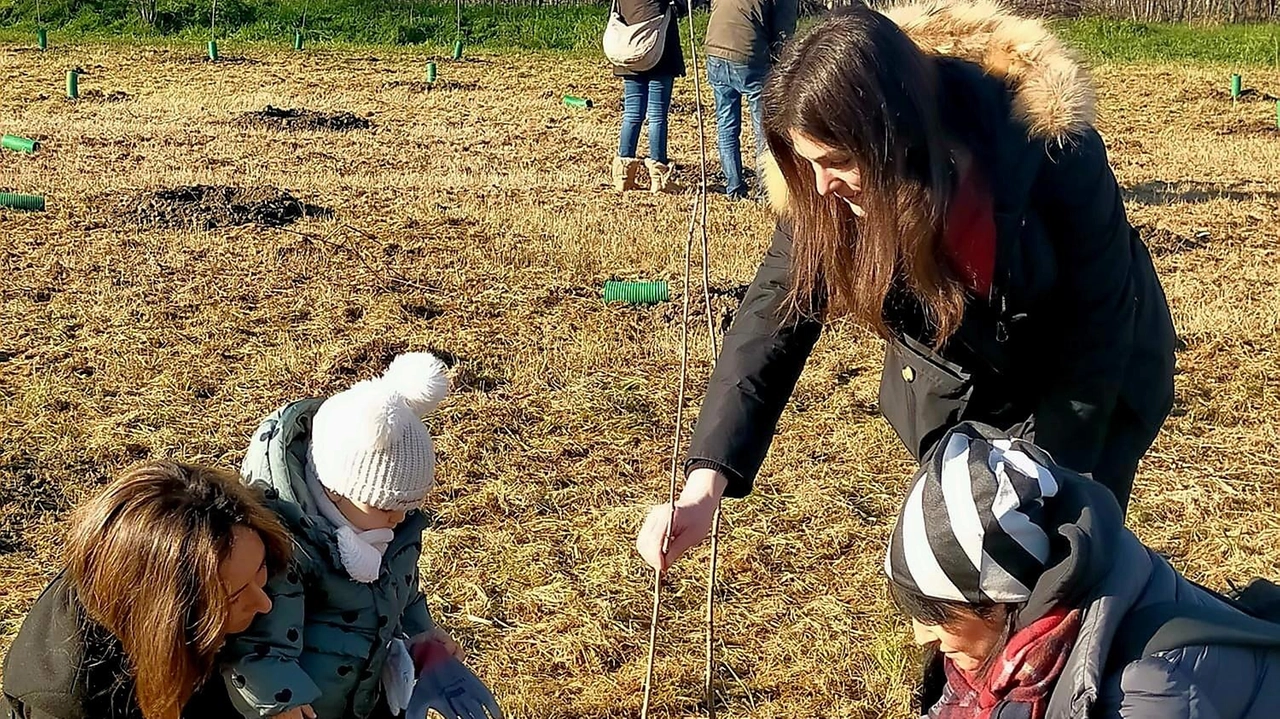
x=646 y=99
x=743 y=38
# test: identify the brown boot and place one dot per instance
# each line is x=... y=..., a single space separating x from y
x=625 y=170
x=660 y=179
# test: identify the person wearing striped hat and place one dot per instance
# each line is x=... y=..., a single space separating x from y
x=1019 y=575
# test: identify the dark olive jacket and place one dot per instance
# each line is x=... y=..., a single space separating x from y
x=1076 y=324
x=61 y=666
x=750 y=32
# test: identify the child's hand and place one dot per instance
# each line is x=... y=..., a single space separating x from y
x=302 y=712
x=454 y=648
x=433 y=643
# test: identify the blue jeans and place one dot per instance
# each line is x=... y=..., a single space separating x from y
x=731 y=82
x=643 y=99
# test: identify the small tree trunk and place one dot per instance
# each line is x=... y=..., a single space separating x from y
x=147 y=11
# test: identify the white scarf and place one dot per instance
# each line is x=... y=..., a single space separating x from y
x=360 y=551
x=361 y=554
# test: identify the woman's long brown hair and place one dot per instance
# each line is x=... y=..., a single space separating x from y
x=856 y=83
x=144 y=559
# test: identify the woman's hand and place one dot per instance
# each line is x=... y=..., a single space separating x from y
x=302 y=712
x=694 y=512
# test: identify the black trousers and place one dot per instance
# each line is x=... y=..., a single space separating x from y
x=383 y=711
x=1128 y=439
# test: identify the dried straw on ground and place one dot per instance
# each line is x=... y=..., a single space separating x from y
x=474 y=219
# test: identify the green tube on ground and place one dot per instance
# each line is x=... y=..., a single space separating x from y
x=297 y=39
x=457 y=49
x=19 y=144
x=213 y=50
x=1235 y=86
x=578 y=102
x=431 y=73
x=42 y=38
x=22 y=202
x=73 y=84
x=636 y=293
x=1278 y=114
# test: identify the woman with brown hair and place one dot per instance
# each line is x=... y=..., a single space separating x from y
x=941 y=184
x=160 y=568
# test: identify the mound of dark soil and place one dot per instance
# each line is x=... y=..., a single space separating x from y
x=302 y=119
x=209 y=206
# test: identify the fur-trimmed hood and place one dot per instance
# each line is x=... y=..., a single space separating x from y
x=1052 y=93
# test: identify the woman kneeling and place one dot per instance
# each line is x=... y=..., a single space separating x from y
x=160 y=569
x=1022 y=580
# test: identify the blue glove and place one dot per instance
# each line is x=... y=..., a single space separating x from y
x=449 y=688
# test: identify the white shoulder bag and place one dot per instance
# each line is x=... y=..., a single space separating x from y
x=638 y=47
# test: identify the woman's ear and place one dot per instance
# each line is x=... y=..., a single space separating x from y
x=1000 y=616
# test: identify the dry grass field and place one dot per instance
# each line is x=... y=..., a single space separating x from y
x=474 y=219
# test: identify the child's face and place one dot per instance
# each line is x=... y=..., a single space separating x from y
x=367 y=517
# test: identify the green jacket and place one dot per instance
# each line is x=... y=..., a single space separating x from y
x=324 y=642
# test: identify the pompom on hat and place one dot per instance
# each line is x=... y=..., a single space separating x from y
x=369 y=444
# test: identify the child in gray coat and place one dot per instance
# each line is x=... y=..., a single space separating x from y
x=346 y=475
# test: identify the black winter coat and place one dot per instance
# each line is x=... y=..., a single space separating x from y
x=61 y=666
x=672 y=62
x=1075 y=334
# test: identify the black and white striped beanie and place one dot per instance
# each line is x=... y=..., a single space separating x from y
x=973 y=528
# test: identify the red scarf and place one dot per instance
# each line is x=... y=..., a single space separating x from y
x=969 y=234
x=1024 y=673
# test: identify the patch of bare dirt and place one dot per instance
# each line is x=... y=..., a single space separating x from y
x=724 y=305
x=106 y=97
x=1247 y=126
x=437 y=86
x=303 y=119
x=1162 y=242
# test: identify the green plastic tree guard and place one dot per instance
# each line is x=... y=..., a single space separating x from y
x=73 y=84
x=637 y=293
x=213 y=50
x=297 y=39
x=42 y=38
x=1235 y=87
x=578 y=102
x=19 y=144
x=457 y=49
x=431 y=73
x=22 y=202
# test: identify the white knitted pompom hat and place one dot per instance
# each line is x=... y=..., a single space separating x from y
x=369 y=443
